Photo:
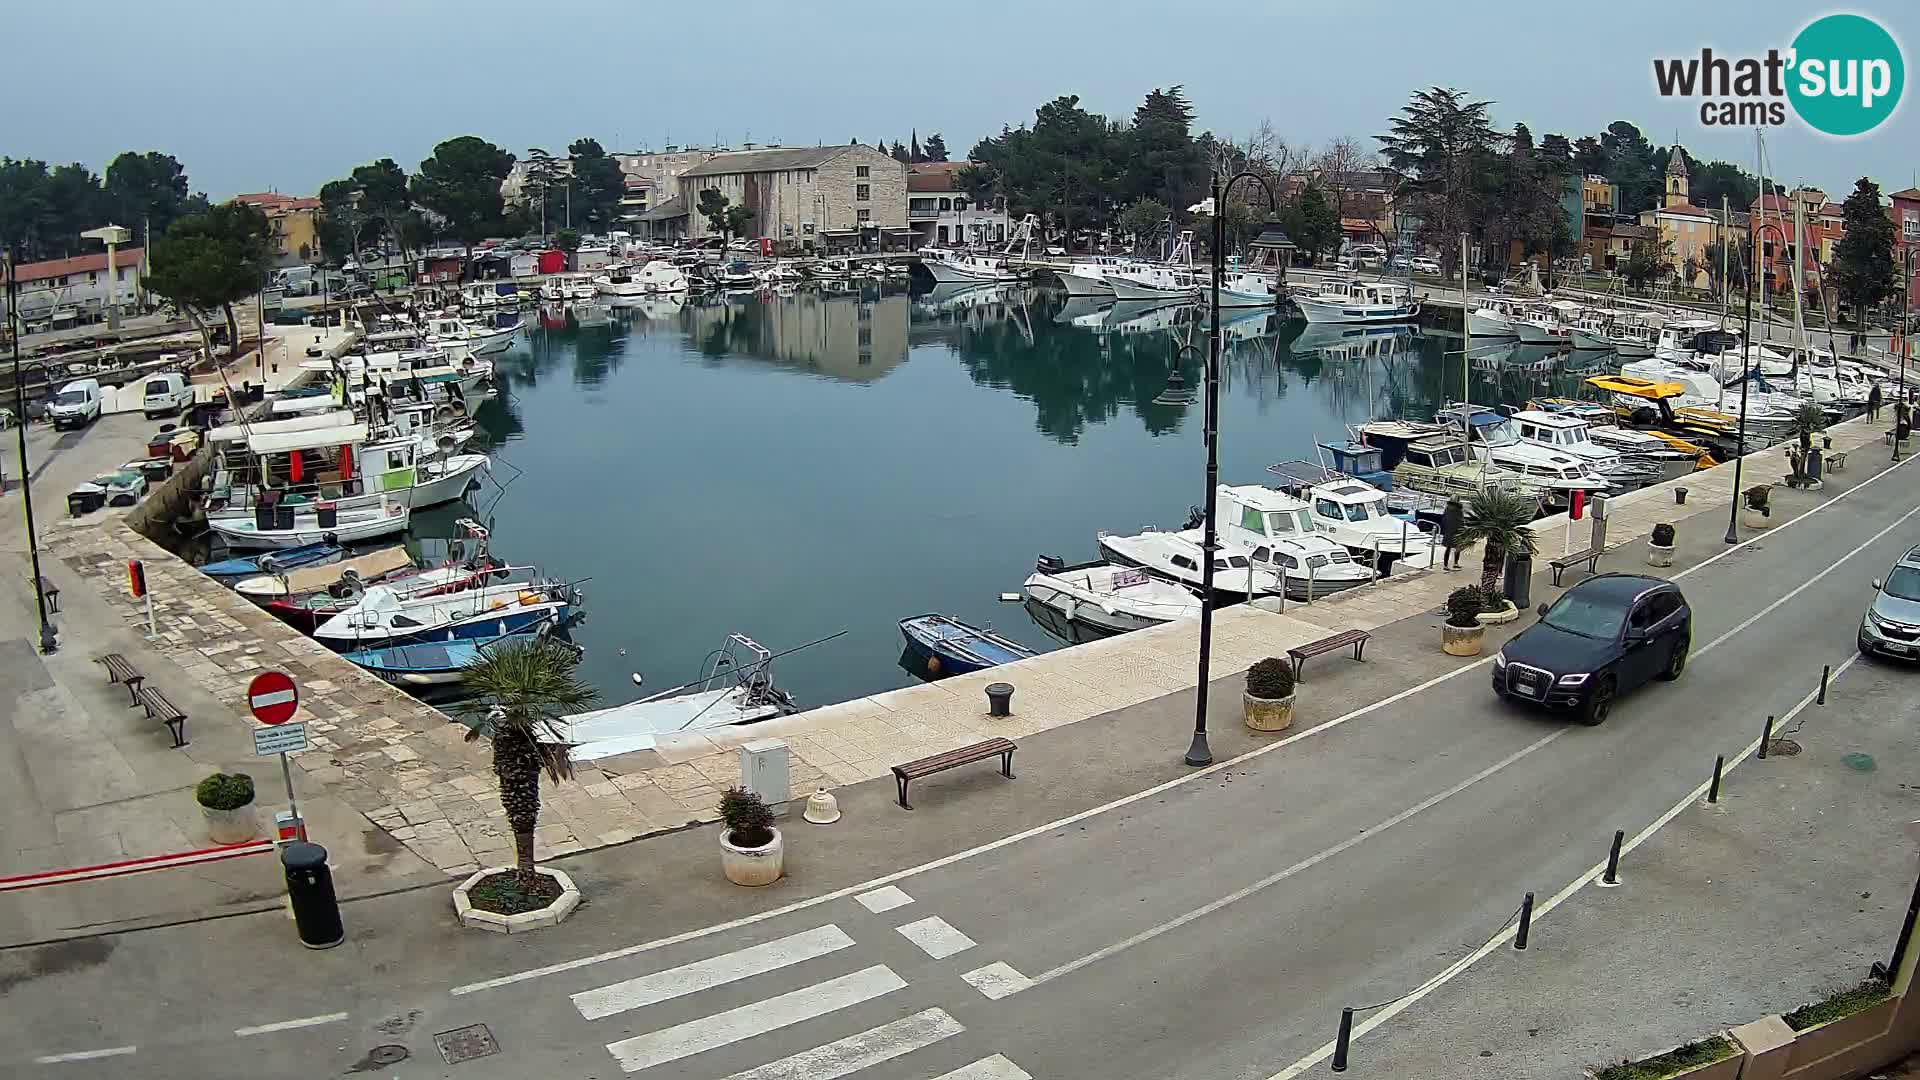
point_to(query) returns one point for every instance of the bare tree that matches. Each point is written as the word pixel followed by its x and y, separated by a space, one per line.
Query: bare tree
pixel 1342 170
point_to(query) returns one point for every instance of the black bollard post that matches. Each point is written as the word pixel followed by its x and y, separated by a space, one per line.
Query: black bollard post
pixel 1713 792
pixel 1340 1041
pixel 1766 737
pixel 1526 922
pixel 316 913
pixel 1613 859
pixel 1826 672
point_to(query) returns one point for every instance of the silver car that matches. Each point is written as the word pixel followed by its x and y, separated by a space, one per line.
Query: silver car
pixel 1891 626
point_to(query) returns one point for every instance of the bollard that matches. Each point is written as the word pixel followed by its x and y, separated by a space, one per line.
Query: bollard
pixel 1713 790
pixel 1612 876
pixel 1340 1041
pixel 999 699
pixel 1766 737
pixel 316 912
pixel 1679 496
pixel 1526 921
pixel 1826 672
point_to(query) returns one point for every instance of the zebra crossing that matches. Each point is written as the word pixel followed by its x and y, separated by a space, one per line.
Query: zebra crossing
pixel 809 953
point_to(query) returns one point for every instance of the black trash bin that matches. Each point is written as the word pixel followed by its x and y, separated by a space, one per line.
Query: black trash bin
pixel 316 913
pixel 1519 581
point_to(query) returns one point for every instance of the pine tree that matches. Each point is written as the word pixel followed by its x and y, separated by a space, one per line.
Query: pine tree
pixel 914 155
pixel 1863 271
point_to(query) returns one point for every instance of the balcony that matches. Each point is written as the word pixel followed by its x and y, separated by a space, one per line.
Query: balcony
pixel 915 214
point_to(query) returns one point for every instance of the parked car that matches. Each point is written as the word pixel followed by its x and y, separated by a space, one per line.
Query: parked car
pixel 166 393
pixel 1602 638
pixel 1891 625
pixel 76 405
pixel 1423 265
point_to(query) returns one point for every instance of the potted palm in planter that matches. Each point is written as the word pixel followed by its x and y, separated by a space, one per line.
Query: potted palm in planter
pixel 751 852
pixel 1660 545
pixel 1461 634
pixel 226 801
pixel 1496 608
pixel 1755 510
pixel 1269 695
pixel 519 691
pixel 1498 520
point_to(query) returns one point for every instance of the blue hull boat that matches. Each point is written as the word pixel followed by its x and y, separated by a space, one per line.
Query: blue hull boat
pixel 946 646
pixel 281 561
pixel 438 663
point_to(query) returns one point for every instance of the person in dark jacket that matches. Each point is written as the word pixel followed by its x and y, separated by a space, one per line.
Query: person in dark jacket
pixel 1450 519
pixel 1873 402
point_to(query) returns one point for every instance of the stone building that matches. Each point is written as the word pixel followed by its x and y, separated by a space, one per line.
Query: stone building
pixel 813 197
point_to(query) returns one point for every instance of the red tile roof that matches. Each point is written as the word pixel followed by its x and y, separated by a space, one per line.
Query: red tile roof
pixel 1683 210
pixel 79 264
pixel 1912 193
pixel 935 175
pixel 275 203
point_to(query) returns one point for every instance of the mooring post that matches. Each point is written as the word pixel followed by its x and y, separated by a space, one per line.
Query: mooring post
pixel 1713 791
pixel 1526 922
pixel 1613 859
pixel 1340 1041
pixel 1766 736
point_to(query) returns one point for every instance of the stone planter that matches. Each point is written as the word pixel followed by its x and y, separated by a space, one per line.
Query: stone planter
pixel 1461 640
pixel 752 866
pixel 1268 714
pixel 1755 519
pixel 551 915
pixel 1658 555
pixel 236 826
pixel 1496 618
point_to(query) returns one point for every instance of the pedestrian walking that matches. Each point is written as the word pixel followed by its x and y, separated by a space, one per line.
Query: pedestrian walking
pixel 1873 403
pixel 1450 520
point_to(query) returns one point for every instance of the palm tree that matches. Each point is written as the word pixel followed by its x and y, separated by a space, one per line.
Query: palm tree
pixel 1499 519
pixel 519 690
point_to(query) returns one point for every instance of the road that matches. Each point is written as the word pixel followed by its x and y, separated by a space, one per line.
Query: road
pixel 1211 927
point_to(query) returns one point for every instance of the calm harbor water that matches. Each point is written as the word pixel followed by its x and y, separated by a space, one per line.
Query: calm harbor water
pixel 788 467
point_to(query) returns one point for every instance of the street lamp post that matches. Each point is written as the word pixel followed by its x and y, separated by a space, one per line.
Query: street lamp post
pixel 1199 753
pixel 1900 397
pixel 49 640
pixel 1746 373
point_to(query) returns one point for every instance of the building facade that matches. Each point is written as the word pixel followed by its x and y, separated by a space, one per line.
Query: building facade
pixel 68 292
pixel 1905 212
pixel 826 196
pixel 290 222
pixel 941 213
pixel 662 169
pixel 1777 247
pixel 1685 231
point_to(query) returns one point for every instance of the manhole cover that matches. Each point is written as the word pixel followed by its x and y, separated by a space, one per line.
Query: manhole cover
pixel 1783 748
pixel 387 1055
pixel 465 1044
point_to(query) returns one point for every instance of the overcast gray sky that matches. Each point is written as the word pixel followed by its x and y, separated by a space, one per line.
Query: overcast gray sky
pixel 264 95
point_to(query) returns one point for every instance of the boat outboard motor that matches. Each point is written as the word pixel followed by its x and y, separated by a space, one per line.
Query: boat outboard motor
pixel 1050 564
pixel 1195 518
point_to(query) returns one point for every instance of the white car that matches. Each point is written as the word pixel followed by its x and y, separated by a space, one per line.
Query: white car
pixel 1423 265
pixel 165 393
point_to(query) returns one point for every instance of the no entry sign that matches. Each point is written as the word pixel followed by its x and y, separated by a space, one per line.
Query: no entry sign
pixel 272 697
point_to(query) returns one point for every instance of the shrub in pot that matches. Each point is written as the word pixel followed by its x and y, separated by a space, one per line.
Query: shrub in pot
pixel 751 852
pixel 1756 507
pixel 1268 701
pixel 226 801
pixel 1660 546
pixel 1461 634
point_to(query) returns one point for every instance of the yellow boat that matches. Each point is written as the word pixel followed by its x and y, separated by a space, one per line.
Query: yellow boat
pixel 1676 425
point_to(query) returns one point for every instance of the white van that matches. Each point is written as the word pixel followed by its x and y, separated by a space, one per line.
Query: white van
pixel 166 392
pixel 76 405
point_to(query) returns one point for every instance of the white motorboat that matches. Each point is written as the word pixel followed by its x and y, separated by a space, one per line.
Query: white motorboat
pixel 287 527
pixel 1767 412
pixel 487 295
pixel 1143 281
pixel 1177 556
pixel 1359 302
pixel 1637 445
pixel 1249 288
pixel 1094 600
pixel 296 463
pixel 961 267
pixel 700 706
pixel 1278 533
pixel 841 268
pixel 453 332
pixel 384 617
pixel 1494 438
pixel 619 283
pixel 1546 324
pixel 1356 514
pixel 1493 316
pixel 1088 277
pixel 1568 435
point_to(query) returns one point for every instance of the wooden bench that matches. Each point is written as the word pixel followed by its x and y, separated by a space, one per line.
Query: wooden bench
pixel 119 671
pixel 1561 565
pixel 1836 460
pixel 1356 638
pixel 927 766
pixel 159 708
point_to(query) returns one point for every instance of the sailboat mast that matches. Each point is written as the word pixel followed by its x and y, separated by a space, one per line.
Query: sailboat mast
pixel 1466 329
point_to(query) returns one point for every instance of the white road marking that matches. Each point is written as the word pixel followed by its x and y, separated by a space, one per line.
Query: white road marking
pixel 936 937
pixel 1304 864
pixel 996 981
pixel 1179 781
pixel 885 899
pixel 855 1052
pixel 1593 873
pixel 287 1025
pixel 85 1055
pixel 715 971
pixel 996 1067
pixel 720 1029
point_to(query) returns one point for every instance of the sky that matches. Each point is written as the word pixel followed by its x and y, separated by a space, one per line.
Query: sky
pixel 254 96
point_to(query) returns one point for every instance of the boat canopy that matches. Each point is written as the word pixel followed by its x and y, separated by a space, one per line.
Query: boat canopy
pixel 280 442
pixel 1636 387
pixel 334 417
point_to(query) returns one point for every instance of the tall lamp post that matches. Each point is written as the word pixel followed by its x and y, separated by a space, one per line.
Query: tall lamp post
pixel 49 640
pixel 1199 753
pixel 1746 373
pixel 1900 396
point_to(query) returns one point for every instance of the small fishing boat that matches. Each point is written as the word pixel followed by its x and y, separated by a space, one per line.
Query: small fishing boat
pixel 385 617
pixel 279 527
pixel 946 646
pixel 1093 600
pixel 274 582
pixel 434 663
pixel 306 611
pixel 737 688
pixel 1177 556
pixel 229 571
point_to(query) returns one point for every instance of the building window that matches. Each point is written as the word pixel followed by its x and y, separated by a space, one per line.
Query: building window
pixel 864 216
pixel 93 277
pixel 862 192
pixel 946 204
pixel 960 205
pixel 806 228
pixel 863 170
pixel 1910 225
